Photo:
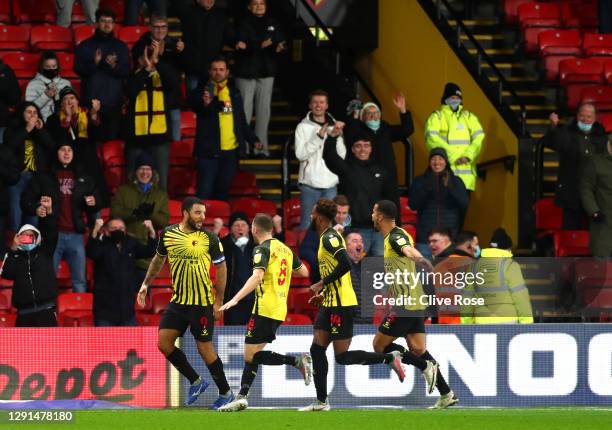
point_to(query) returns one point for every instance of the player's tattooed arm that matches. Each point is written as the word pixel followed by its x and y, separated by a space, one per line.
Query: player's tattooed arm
pixel 154 268
pixel 219 289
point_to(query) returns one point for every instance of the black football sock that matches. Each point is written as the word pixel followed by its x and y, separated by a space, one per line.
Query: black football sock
pixel 218 375
pixel 179 361
pixel 407 356
pixel 441 384
pixel 270 358
pixel 248 376
pixel 362 357
pixel 319 363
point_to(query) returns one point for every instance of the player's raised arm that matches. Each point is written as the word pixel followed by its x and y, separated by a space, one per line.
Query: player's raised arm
pixel 249 286
pixel 417 257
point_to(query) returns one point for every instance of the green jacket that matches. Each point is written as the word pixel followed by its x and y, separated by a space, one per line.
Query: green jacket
pixel 461 135
pixel 128 197
pixel 596 195
pixel 505 294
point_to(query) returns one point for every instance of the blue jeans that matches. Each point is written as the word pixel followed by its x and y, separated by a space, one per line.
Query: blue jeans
pixel 424 249
pixel 71 248
pixel 99 322
pixel 309 197
pixel 15 213
pixel 175 124
pixel 215 175
pixel 373 241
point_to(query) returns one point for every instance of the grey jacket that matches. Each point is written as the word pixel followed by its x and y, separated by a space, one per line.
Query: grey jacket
pixel 35 92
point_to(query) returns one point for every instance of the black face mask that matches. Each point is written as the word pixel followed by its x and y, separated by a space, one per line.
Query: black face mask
pixel 117 236
pixel 49 73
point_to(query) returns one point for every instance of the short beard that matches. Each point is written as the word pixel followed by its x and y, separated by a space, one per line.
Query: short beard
pixel 192 225
pixel 313 225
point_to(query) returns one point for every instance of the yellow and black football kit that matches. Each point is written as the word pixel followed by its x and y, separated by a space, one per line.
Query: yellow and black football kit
pixel 393 325
pixel 339 300
pixel 190 256
pixel 270 307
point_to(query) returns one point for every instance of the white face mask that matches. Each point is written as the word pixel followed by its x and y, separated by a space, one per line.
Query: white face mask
pixel 241 241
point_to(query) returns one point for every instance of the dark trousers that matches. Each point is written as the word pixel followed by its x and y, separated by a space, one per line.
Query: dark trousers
pixel 605 16
pixel 215 175
pixel 110 119
pixel 132 9
pixel 46 318
pixel 574 219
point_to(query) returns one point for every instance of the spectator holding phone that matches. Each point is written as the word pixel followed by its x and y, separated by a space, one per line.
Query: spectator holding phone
pixel 44 89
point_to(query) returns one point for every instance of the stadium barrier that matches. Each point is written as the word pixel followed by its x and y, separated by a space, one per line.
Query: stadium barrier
pixel 497 365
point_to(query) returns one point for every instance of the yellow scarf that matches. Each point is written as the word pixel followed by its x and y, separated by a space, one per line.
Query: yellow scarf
pixel 82 123
pixel 226 118
pixel 151 119
pixel 28 159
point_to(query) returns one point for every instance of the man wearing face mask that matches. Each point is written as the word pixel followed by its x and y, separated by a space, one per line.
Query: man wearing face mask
pixel 238 249
pixel 117 278
pixel 457 131
pixel 575 143
pixel 29 263
pixel 45 88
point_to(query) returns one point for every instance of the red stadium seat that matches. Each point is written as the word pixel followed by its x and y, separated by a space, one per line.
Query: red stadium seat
pixel 82 32
pixel 105 214
pixel 51 37
pixel 548 217
pixel 36 11
pixel 252 206
pixel 571 243
pixel 188 124
pixel 597 44
pixel 407 215
pixel 298 281
pixel 176 214
pixel 117 6
pixel 292 212
pixel 159 301
pixel 112 149
pixel 605 119
pixel 581 15
pixel 131 33
pixel 66 61
pixel 8 320
pixel 23 64
pixel 535 17
pixel 147 319
pixel 297 319
pixel 511 10
pixel 298 302
pixel 182 149
pixel 75 309
pixel 600 96
pixel 14 37
pixel 181 180
pixel 217 209
pixel 556 46
pixel 6 295
pixel 5 304
pixel 607 70
pixel 411 230
pixel 580 70
pixel 62 275
pixel 244 184
pixel 5 12
pixel 78 15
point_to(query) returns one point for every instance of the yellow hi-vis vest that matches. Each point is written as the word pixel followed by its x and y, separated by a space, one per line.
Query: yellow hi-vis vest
pixel 149 109
pixel 460 135
pixel 506 297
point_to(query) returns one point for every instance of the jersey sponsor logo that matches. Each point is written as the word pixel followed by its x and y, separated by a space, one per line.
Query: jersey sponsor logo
pixel 282 276
pixel 194 243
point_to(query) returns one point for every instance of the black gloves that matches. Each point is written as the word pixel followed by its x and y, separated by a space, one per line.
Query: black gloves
pixel 144 211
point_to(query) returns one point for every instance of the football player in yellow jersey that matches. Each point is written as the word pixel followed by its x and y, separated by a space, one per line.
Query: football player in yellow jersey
pixel 273 265
pixel 400 254
pixel 190 251
pixel 334 323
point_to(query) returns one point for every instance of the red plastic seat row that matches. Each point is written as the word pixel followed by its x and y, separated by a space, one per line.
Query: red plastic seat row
pixel 43 11
pixel 534 18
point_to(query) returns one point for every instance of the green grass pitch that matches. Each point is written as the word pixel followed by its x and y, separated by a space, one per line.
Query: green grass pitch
pixel 354 419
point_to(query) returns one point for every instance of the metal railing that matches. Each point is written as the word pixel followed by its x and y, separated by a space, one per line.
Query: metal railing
pixel 481 58
pixel 508 162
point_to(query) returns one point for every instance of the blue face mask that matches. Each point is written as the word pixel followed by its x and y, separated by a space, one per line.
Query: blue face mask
pixel 27 247
pixel 453 104
pixel 584 127
pixel 477 252
pixel 373 124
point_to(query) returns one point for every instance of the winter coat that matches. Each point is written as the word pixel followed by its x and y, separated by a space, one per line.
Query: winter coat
pixel 256 62
pixel 9 92
pixel 44 146
pixel 309 151
pixel 362 182
pixel 208 133
pixel 116 279
pixel 596 194
pixel 575 149
pixel 9 175
pixel 47 184
pixel 437 204
pixel 33 272
pixel 204 33
pixel 100 81
pixel 239 269
pixel 35 92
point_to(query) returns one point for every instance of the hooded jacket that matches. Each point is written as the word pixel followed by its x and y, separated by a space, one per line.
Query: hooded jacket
pixel 116 280
pixel 47 184
pixel 437 203
pixel 35 92
pixel 309 151
pixel 575 149
pixel 363 182
pixel 32 271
